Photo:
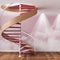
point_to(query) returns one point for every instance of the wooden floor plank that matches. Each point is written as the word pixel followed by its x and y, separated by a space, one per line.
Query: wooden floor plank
pixel 37 56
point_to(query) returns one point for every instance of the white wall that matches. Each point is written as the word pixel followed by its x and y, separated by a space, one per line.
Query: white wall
pixel 50 43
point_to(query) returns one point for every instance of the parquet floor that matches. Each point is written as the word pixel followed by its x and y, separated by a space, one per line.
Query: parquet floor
pixel 37 56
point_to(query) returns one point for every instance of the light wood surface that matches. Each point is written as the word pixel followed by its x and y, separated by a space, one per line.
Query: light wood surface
pixel 37 56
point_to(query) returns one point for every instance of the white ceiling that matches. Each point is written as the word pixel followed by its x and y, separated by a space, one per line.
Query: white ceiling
pixel 48 4
pixel 39 3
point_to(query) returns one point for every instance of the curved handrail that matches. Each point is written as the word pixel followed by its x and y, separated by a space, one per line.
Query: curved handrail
pixel 17 19
pixel 28 35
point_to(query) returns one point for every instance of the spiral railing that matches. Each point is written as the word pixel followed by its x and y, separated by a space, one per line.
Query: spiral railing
pixel 11 30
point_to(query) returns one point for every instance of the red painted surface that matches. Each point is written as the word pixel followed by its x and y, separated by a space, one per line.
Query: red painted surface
pixel 15 6
pixel 23 6
pixel 27 6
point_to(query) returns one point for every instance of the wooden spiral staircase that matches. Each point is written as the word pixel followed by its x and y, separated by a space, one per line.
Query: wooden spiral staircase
pixel 12 29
